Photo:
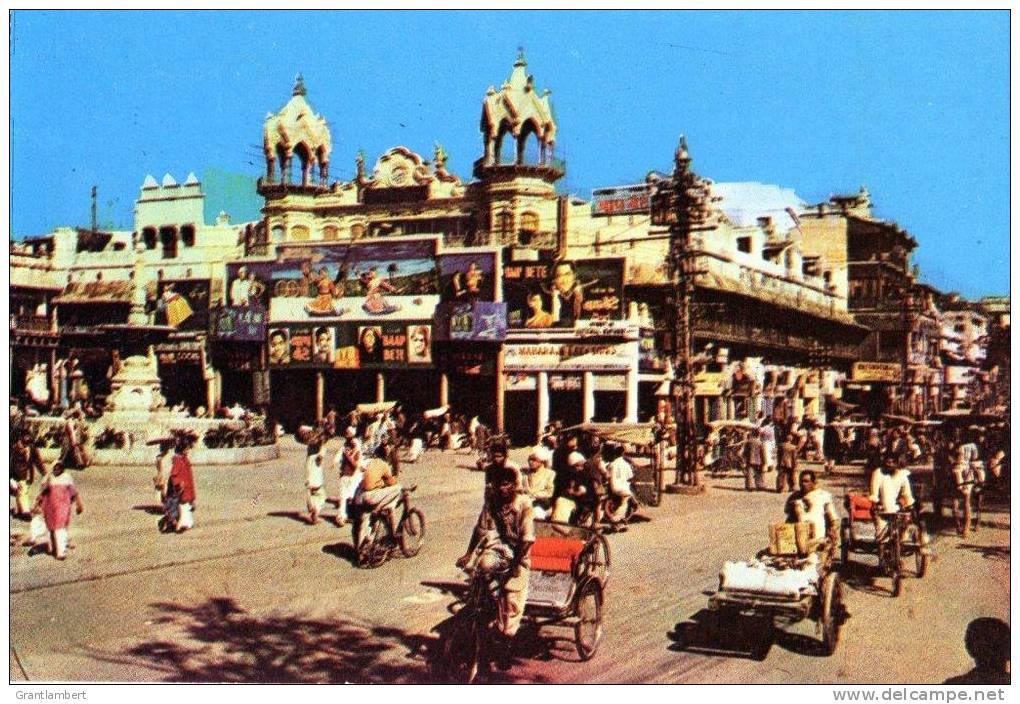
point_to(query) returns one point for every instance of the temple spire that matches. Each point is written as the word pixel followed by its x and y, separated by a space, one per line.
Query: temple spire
pixel 299 85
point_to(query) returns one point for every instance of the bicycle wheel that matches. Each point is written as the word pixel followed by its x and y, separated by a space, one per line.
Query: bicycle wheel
pixel 832 612
pixel 461 650
pixel 896 566
pixel 412 533
pixel 375 549
pixel 599 559
pixel 588 629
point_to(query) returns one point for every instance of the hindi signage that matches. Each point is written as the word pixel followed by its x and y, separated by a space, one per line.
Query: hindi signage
pixel 569 356
pixel 240 323
pixel 876 371
pixel 622 200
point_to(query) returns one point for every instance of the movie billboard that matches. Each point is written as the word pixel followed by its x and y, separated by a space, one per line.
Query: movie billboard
pixel 557 294
pixel 368 281
pixel 359 345
pixel 183 303
pixel 467 278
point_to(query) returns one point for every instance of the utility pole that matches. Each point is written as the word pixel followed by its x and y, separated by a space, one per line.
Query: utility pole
pixel 95 219
pixel 684 206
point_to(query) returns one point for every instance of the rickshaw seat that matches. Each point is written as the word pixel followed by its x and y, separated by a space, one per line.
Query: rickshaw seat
pixel 554 554
pixel 859 507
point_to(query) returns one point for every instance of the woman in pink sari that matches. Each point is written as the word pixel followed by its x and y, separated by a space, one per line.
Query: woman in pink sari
pixel 54 502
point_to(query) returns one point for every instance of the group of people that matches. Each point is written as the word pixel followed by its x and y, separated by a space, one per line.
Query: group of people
pixel 174 483
pixel 49 514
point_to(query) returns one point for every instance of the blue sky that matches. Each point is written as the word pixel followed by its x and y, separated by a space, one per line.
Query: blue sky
pixel 914 105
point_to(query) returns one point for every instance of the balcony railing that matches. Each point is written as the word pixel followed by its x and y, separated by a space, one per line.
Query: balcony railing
pixel 32 323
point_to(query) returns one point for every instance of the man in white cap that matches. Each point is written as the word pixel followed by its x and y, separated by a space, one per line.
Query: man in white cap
pixel 347 462
pixel 574 488
pixel 539 480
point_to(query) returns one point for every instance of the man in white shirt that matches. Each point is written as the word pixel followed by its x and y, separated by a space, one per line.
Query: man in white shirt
pixel 815 506
pixel 240 288
pixel 620 475
pixel 890 491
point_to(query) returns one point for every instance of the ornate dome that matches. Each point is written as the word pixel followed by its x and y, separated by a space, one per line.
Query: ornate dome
pixel 517 108
pixel 297 130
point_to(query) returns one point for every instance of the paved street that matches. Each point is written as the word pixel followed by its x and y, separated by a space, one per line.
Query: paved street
pixel 253 594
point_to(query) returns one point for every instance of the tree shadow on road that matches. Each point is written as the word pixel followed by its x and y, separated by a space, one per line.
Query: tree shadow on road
pixel 221 642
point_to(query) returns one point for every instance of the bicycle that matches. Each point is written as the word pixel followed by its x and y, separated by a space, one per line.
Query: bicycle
pixel 381 543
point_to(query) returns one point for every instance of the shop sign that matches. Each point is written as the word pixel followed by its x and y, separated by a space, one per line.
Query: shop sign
pixel 559 293
pixel 472 362
pixel 876 371
pixel 483 321
pixel 183 303
pixel 622 200
pixel 260 388
pixel 180 353
pixel 610 382
pixel 607 328
pixel 565 382
pixel 709 384
pixel 521 382
pixel 570 356
pixel 352 346
pixel 958 375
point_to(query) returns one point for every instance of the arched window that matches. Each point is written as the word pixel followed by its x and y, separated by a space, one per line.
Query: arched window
pixel 277 234
pixel 529 226
pixel 330 233
pixel 188 235
pixel 299 233
pixel 168 239
pixel 506 145
pixel 504 223
pixel 149 237
pixel 357 231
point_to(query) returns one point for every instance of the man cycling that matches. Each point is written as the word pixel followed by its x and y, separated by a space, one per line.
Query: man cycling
pixel 500 546
pixel 890 492
pixel 378 488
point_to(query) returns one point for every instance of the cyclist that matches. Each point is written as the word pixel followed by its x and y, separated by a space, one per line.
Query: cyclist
pixel 500 546
pixel 890 492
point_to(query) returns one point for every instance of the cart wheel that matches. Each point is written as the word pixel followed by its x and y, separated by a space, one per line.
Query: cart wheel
pixel 599 559
pixel 832 612
pixel 588 629
pixel 844 541
pixel 412 533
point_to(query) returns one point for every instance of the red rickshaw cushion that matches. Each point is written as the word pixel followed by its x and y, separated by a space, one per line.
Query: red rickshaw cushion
pixel 552 554
pixel 860 507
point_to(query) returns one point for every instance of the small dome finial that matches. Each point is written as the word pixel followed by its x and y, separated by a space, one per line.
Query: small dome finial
pixel 520 57
pixel 299 85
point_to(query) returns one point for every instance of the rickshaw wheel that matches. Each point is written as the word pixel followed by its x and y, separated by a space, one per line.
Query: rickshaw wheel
pixel 844 541
pixel 920 552
pixel 588 629
pixel 599 559
pixel 831 614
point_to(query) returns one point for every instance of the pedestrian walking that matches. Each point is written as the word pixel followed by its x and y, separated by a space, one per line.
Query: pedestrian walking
pixel 787 475
pixel 754 462
pixel 315 478
pixel 182 481
pixel 54 503
pixel 26 465
pixel 347 463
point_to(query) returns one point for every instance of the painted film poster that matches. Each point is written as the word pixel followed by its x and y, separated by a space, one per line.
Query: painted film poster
pixel 352 346
pixel 467 278
pixel 556 294
pixel 183 304
pixel 362 281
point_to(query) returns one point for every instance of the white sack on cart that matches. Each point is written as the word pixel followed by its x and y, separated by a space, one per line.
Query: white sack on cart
pixel 759 578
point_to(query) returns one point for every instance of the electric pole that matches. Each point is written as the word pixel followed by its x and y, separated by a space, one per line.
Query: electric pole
pixel 95 220
pixel 684 207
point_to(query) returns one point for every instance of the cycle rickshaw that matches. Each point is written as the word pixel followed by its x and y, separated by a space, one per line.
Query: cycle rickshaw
pixel 906 538
pixel 782 590
pixel 643 448
pixel 566 588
